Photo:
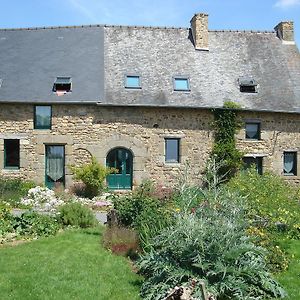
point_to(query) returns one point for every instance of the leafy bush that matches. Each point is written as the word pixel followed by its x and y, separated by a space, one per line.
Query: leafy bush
pixel 93 176
pixel 140 210
pixel 76 214
pixel 12 190
pixel 209 245
pixel 5 220
pixel 35 224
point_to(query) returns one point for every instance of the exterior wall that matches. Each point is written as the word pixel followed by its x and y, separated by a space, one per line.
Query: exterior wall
pixel 94 130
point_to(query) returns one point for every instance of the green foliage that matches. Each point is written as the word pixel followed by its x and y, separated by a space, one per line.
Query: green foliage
pixel 209 245
pixel 93 176
pixel 12 190
pixel 224 150
pixel 76 214
pixel 273 203
pixel 34 224
pixel 5 220
pixel 273 211
pixel 144 212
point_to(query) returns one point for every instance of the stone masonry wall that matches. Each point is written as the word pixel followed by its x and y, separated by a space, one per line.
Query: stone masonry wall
pixel 94 130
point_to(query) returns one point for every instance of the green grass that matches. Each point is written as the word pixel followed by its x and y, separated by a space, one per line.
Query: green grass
pixel 72 265
pixel 290 279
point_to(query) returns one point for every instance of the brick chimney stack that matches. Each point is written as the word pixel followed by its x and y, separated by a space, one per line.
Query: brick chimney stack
pixel 285 31
pixel 199 26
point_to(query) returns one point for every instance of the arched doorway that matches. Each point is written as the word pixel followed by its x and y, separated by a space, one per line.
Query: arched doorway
pixel 122 161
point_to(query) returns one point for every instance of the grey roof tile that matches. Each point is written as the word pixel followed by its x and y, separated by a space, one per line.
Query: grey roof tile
pixel 31 60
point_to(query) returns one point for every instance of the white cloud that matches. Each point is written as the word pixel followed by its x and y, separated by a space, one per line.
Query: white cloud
pixel 287 3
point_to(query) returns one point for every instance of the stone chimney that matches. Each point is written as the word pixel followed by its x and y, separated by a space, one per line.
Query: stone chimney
pixel 285 31
pixel 199 26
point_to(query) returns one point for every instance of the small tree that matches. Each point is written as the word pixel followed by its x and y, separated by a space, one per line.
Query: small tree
pixel 92 175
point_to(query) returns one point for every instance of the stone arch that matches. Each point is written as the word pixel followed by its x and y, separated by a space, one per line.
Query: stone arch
pixel 138 149
pixel 82 156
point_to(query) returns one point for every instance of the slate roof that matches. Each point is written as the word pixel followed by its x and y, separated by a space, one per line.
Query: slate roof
pixel 31 59
pixel 98 58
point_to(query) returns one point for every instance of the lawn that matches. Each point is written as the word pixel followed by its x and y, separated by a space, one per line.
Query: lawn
pixel 72 265
pixel 290 279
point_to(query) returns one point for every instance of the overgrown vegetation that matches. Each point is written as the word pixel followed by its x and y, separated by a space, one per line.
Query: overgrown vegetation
pixel 224 151
pixel 273 211
pixel 144 211
pixel 12 190
pixel 92 176
pixel 208 243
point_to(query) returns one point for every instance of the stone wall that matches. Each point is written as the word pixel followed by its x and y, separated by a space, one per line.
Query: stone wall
pixel 95 130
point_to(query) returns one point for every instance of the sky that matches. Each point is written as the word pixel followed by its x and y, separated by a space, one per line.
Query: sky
pixel 223 14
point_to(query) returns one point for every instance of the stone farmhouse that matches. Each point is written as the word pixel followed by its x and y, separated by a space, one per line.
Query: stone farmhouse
pixel 139 99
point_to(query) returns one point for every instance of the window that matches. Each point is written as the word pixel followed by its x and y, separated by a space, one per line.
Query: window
pixel 62 85
pixel 252 130
pixel 290 163
pixel 256 161
pixel 42 117
pixel 132 82
pixel 172 150
pixel 181 84
pixel 248 85
pixel 11 154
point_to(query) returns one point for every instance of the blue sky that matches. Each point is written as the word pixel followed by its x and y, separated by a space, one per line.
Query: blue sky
pixel 223 14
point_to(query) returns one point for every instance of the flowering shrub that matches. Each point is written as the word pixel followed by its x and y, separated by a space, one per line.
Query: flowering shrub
pixel 42 199
pixel 93 176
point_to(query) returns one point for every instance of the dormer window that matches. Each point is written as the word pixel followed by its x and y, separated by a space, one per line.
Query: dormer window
pixel 62 85
pixel 181 83
pixel 133 82
pixel 248 85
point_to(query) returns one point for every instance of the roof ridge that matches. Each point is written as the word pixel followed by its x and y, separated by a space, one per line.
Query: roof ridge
pixel 128 26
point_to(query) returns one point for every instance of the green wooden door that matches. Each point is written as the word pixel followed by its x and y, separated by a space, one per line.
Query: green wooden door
pixel 55 166
pixel 121 160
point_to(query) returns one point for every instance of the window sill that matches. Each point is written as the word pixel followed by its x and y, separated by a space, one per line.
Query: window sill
pixel 133 87
pixel 11 169
pixel 289 176
pixel 253 140
pixel 172 164
pixel 180 91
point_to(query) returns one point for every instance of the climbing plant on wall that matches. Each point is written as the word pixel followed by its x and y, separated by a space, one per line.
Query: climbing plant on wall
pixel 226 124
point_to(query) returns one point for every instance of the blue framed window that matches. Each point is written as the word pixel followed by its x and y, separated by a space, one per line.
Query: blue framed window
pixel 133 82
pixel 181 84
pixel 172 150
pixel 12 154
pixel 42 116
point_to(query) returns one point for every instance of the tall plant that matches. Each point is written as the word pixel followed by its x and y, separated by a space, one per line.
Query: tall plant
pixel 226 124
